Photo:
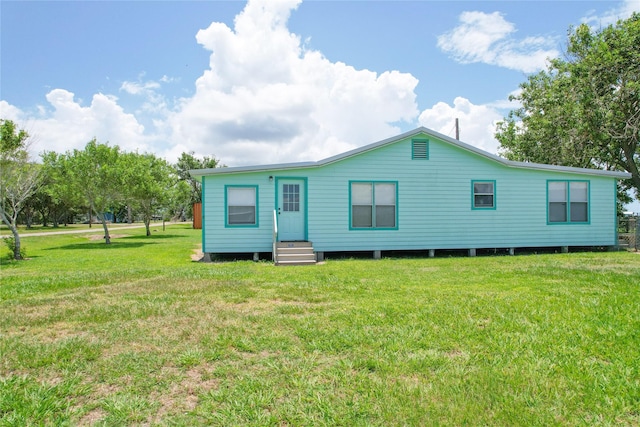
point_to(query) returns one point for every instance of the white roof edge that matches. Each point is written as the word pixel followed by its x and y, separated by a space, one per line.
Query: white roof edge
pixel 198 173
pixel 251 168
pixel 568 169
pixel 526 165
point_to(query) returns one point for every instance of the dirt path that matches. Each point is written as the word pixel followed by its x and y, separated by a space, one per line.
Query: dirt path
pixel 96 228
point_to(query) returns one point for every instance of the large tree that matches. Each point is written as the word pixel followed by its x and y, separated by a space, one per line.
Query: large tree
pixel 19 177
pixel 147 181
pixel 95 174
pixel 65 198
pixel 584 109
pixel 189 161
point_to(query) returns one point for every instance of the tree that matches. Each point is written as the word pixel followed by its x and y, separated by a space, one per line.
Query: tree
pixel 179 198
pixel 187 162
pixel 65 198
pixel 94 174
pixel 146 181
pixel 584 109
pixel 40 206
pixel 19 178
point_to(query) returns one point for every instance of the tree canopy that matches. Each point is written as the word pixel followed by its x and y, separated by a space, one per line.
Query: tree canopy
pixel 100 179
pixel 189 161
pixel 147 183
pixel 19 177
pixel 584 109
pixel 94 174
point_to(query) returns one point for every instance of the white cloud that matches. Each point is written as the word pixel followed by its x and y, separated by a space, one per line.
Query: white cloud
pixel 622 11
pixel 488 38
pixel 154 101
pixel 10 112
pixel 66 125
pixel 267 99
pixel 477 122
pixel 138 88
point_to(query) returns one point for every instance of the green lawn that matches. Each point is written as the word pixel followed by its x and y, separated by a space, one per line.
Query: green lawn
pixel 95 227
pixel 136 333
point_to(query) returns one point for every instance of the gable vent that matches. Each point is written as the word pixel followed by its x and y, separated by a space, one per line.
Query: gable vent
pixel 420 150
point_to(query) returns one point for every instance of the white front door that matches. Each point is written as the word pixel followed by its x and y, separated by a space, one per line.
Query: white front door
pixel 291 210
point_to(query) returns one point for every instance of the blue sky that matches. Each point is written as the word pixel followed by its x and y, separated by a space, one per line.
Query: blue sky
pixel 273 81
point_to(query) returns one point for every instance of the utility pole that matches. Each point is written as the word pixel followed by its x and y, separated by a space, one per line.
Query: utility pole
pixel 457 129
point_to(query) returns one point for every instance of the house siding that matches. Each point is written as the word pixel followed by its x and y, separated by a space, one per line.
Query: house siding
pixel 433 204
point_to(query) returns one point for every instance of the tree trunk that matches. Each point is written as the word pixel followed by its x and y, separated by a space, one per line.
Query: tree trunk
pixel 11 223
pixel 107 238
pixel 45 217
pixel 28 216
pixel 16 237
pixel 129 214
pixel 147 222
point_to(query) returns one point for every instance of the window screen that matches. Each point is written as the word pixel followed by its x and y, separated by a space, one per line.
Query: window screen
pixel 568 201
pixel 483 195
pixel 241 205
pixel 373 205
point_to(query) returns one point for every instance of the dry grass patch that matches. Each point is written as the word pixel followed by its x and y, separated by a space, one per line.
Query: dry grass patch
pixel 139 334
pixel 92 417
pixel 183 394
pixel 197 254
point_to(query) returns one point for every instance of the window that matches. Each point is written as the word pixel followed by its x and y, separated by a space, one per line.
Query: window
pixel 579 205
pixel 241 205
pixel 420 149
pixel 484 194
pixel 568 201
pixel 291 197
pixel 373 205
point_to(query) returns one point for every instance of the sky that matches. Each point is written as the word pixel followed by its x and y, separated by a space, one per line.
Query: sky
pixel 273 81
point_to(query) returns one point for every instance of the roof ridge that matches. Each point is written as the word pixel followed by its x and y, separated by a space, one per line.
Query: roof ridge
pixel 196 173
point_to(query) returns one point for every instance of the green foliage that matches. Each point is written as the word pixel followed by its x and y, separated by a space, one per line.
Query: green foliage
pixel 584 110
pixel 146 181
pixel 65 199
pixel 96 334
pixel 12 139
pixel 94 174
pixel 107 179
pixel 187 162
pixel 10 243
pixel 19 177
pixel 179 200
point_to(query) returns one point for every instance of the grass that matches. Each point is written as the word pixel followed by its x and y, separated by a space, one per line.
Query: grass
pixel 95 228
pixel 136 333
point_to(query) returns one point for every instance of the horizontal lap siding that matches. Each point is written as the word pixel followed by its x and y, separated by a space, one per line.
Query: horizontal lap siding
pixel 435 204
pixel 221 239
pixel 434 199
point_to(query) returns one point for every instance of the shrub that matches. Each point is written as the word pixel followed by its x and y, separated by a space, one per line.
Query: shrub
pixel 11 245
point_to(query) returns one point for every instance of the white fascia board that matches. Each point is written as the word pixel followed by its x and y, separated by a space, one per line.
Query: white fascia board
pixel 568 169
pixel 199 173
pixel 527 165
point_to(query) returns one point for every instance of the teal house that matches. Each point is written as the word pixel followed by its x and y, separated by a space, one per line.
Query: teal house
pixel 420 190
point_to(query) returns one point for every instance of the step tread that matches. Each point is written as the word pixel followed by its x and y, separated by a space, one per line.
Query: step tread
pixel 295 262
pixel 295 253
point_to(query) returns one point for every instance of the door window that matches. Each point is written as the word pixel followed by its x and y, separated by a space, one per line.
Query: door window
pixel 291 197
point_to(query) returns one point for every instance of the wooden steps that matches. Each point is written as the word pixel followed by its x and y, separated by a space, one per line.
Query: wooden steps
pixel 295 253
